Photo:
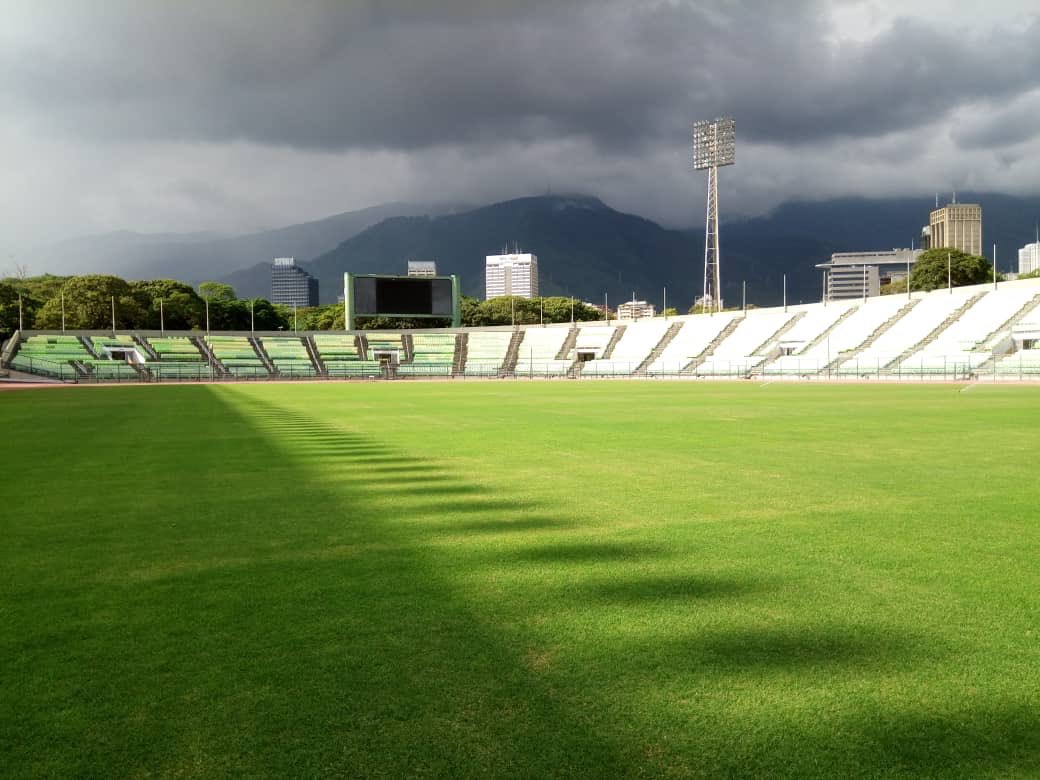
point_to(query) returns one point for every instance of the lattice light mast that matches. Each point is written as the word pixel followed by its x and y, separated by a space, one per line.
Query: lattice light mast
pixel 714 145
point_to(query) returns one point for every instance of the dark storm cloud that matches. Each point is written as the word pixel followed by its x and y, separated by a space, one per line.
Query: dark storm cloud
pixel 418 75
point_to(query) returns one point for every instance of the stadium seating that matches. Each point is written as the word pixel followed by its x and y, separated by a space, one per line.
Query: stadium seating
pixel 593 338
pixel 341 357
pixel 736 354
pixel 634 346
pixel 433 354
pixel 384 342
pixel 847 335
pixel 538 351
pixel 179 359
pixel 288 355
pixel 962 346
pixel 486 351
pixel 815 323
pixel 695 336
pixel 237 355
pixel 927 314
pixel 51 356
pixel 122 341
pixel 110 370
pixel 1024 363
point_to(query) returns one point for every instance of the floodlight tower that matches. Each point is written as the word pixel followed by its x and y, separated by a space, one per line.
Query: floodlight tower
pixel 714 145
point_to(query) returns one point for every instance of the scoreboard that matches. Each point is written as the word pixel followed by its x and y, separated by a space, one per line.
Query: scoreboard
pixel 414 297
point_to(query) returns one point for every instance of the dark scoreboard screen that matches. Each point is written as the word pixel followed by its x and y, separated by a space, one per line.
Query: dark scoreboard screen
pixel 374 295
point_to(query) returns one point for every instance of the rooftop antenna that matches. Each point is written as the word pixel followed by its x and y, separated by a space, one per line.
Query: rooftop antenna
pixel 937 200
pixel 955 197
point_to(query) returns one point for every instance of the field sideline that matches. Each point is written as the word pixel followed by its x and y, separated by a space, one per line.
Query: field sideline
pixel 523 579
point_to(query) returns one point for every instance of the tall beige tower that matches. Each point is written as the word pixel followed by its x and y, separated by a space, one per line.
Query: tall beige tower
pixel 957 226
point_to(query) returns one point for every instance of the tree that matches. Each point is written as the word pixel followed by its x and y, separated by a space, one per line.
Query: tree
pixel 217 291
pixel 930 270
pixel 182 308
pixel 670 312
pixel 268 316
pixel 9 310
pixel 88 305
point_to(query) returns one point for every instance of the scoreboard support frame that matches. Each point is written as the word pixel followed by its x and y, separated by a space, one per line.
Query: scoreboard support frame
pixel 350 314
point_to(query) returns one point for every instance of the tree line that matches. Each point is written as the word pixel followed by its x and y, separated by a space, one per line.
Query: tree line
pixel 87 303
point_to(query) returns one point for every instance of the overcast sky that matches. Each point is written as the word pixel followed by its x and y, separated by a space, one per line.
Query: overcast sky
pixel 153 115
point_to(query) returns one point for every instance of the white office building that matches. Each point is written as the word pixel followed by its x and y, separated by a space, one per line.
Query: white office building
pixel 422 268
pixel 1029 258
pixel 636 310
pixel 515 274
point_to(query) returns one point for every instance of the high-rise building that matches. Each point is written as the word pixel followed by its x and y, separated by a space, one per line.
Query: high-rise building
pixel 511 275
pixel 956 226
pixel 422 268
pixel 1029 258
pixel 291 285
pixel 861 274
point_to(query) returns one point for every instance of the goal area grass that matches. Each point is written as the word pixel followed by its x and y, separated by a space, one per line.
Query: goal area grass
pixel 520 579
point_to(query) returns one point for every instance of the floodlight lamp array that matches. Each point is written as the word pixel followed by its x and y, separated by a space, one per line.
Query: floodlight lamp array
pixel 714 143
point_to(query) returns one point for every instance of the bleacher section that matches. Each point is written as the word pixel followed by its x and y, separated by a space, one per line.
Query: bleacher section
pixel 538 351
pixel 848 335
pixel 486 351
pixel 1024 363
pixel 634 346
pixel 385 342
pixel 735 356
pixel 288 355
pixel 811 327
pixel 433 354
pixel 179 358
pixel 341 356
pixel 906 332
pixel 237 355
pixel 51 356
pixel 695 336
pixel 594 339
pixel 962 346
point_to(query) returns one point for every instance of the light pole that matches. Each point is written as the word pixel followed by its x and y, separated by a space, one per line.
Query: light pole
pixel 20 325
pixel 207 316
pixel 664 303
pixel 743 297
pixel 572 310
pixel 294 318
pixel 909 257
pixel 252 320
pixel 541 318
pixel 63 310
pixel 714 144
pixel 949 273
pixel 162 321
pixel 785 293
pixel 606 317
pixel 994 266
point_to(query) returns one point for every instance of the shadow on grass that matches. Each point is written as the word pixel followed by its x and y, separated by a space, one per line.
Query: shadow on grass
pixel 586 552
pixel 790 648
pixel 512 525
pixel 677 587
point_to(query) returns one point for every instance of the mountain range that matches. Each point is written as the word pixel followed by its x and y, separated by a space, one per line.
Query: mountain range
pixel 584 247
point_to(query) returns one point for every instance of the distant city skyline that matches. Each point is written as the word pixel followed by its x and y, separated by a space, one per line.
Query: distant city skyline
pixel 157 117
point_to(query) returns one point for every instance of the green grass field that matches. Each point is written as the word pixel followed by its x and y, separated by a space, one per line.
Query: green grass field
pixel 522 579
